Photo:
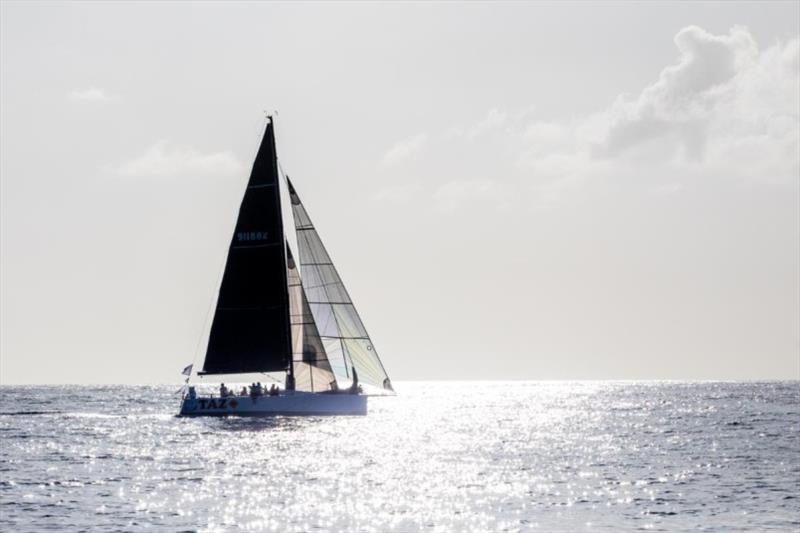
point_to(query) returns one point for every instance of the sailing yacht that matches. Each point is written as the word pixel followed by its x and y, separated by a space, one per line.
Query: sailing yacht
pixel 277 311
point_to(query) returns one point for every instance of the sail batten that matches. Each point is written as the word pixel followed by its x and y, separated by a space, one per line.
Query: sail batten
pixel 250 331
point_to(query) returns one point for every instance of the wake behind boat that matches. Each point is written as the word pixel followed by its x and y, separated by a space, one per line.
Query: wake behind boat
pixel 272 316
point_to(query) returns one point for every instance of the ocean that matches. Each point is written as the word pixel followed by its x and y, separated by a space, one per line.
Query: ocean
pixel 440 456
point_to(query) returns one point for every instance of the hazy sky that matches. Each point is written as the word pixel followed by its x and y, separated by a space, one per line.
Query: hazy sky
pixel 526 191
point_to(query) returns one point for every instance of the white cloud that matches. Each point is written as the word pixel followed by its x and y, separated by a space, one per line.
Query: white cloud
pixel 405 149
pixel 686 95
pixel 726 109
pixel 165 160
pixel 92 94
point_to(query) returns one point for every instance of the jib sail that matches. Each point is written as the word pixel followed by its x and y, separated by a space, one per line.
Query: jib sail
pixel 340 329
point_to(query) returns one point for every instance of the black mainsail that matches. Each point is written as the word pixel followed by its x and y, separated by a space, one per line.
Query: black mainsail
pixel 251 328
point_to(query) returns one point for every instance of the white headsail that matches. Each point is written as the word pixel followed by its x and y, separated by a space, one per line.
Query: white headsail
pixel 343 335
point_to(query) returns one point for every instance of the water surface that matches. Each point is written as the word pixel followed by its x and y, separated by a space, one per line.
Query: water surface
pixel 441 456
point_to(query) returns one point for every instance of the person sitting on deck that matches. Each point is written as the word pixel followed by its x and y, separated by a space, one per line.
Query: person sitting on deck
pixel 243 392
pixel 274 390
pixel 223 391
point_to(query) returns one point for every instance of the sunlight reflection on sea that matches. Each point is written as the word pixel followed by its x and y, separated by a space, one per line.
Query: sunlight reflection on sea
pixel 441 456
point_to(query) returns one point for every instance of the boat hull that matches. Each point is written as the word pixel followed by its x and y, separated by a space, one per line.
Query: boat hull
pixel 285 404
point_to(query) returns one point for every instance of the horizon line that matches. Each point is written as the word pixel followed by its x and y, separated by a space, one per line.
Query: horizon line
pixel 545 380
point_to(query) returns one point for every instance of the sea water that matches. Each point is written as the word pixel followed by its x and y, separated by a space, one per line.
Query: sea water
pixel 440 456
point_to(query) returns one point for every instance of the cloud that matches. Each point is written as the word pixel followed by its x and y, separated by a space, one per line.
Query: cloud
pixel 92 94
pixel 405 149
pixel 165 160
pixel 725 109
pixel 686 95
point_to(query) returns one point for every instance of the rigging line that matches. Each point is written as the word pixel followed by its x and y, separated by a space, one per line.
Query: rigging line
pixel 211 305
pixel 271 377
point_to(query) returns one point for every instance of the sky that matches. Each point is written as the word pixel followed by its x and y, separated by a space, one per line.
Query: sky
pixel 509 190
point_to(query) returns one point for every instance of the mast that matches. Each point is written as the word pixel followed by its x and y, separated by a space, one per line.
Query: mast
pixel 290 383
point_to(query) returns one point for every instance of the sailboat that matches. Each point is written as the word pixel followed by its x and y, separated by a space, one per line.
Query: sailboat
pixel 277 311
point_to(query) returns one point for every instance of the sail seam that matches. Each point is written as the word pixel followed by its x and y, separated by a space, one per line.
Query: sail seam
pixel 238 246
